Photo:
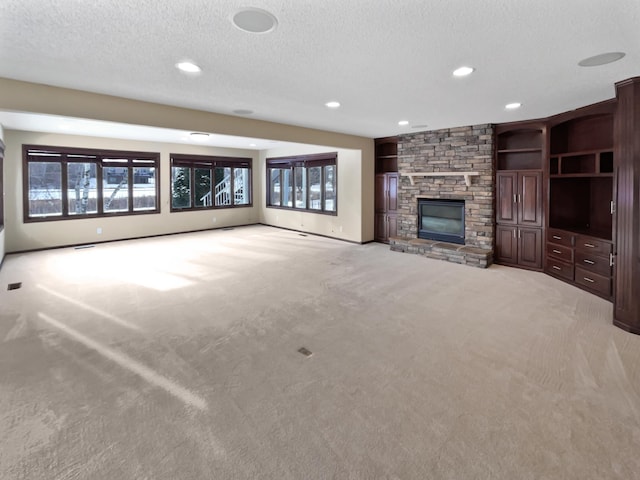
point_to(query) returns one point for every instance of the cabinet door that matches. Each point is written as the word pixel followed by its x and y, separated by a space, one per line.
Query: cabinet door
pixel 530 247
pixel 392 192
pixel 381 233
pixel 506 244
pixel 392 225
pixel 506 195
pixel 530 199
pixel 381 193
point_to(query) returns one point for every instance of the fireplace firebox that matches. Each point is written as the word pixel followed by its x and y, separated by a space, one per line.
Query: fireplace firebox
pixel 441 220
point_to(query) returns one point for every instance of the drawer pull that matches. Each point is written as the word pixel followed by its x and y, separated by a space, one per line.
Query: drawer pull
pixel 590 262
pixel 555 267
pixel 557 237
pixel 589 245
pixel 556 251
pixel 589 280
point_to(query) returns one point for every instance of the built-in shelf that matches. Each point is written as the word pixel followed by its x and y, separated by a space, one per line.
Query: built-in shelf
pixel 467 175
pixel 519 150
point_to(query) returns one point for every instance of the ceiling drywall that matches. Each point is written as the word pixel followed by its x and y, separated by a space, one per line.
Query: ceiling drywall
pixel 383 60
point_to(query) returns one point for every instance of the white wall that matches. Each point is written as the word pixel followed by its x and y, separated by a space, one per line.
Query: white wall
pixel 27 236
pixel 346 224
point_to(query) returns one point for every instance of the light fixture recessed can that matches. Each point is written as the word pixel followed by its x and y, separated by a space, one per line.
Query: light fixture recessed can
pixel 254 20
pixel 512 106
pixel 402 123
pixel 188 67
pixel 463 71
pixel 601 59
pixel 332 104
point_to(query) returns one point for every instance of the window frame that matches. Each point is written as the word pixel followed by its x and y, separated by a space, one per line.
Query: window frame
pixel 102 159
pixel 211 162
pixel 306 161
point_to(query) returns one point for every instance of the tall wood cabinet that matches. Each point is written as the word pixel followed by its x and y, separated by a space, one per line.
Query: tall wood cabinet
pixel 386 206
pixel 580 209
pixel 386 189
pixel 626 311
pixel 519 194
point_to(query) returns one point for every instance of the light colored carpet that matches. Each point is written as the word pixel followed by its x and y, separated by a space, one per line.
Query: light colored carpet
pixel 176 358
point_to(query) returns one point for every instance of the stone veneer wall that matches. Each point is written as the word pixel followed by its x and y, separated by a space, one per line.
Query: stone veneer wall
pixel 453 149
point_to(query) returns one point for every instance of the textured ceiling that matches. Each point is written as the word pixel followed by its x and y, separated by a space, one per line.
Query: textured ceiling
pixel 384 60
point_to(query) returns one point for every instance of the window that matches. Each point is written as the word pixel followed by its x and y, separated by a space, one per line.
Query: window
pixel 63 182
pixel 306 182
pixel 201 182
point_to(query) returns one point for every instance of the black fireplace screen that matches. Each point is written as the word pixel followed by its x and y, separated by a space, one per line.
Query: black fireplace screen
pixel 441 220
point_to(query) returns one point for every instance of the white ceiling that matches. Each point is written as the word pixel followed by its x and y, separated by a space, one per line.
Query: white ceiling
pixel 384 60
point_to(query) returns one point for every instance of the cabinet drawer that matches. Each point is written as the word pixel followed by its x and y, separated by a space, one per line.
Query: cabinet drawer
pixel 593 263
pixel 593 245
pixel 558 251
pixel 593 281
pixel 558 268
pixel 560 237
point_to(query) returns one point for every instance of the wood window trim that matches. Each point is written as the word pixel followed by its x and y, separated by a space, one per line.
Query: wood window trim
pixel 101 158
pixel 208 161
pixel 306 161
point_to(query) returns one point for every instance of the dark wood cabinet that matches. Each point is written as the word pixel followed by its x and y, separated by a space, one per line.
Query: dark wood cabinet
pixel 386 201
pixel 386 189
pixel 626 311
pixel 579 244
pixel 519 195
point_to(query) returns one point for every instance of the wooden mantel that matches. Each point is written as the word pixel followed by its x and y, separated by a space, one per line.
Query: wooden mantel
pixel 467 175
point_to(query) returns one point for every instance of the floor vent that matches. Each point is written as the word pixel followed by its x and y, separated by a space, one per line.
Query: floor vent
pixel 305 352
pixel 14 286
pixel 81 247
pixel 302 234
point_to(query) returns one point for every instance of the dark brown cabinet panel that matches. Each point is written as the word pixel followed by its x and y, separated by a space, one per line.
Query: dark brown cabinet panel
pixel 519 206
pixel 530 198
pixel 626 311
pixel 386 203
pixel 507 185
pixel 506 245
pixel 530 247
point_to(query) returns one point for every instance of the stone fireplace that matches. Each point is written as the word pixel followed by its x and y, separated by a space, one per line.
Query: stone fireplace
pixel 453 166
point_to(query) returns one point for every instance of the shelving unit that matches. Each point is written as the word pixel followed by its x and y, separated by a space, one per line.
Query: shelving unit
pixel 579 244
pixel 519 195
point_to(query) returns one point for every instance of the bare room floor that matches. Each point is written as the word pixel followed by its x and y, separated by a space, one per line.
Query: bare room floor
pixel 177 358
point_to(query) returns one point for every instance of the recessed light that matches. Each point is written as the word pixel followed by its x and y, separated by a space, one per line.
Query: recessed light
pixel 199 137
pixel 402 123
pixel 242 111
pixel 463 71
pixel 253 145
pixel 188 67
pixel 254 20
pixel 333 104
pixel 601 59
pixel 512 106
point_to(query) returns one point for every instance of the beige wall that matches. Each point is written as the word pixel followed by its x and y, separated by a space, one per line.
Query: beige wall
pixel 2 247
pixel 347 224
pixel 356 178
pixel 27 236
